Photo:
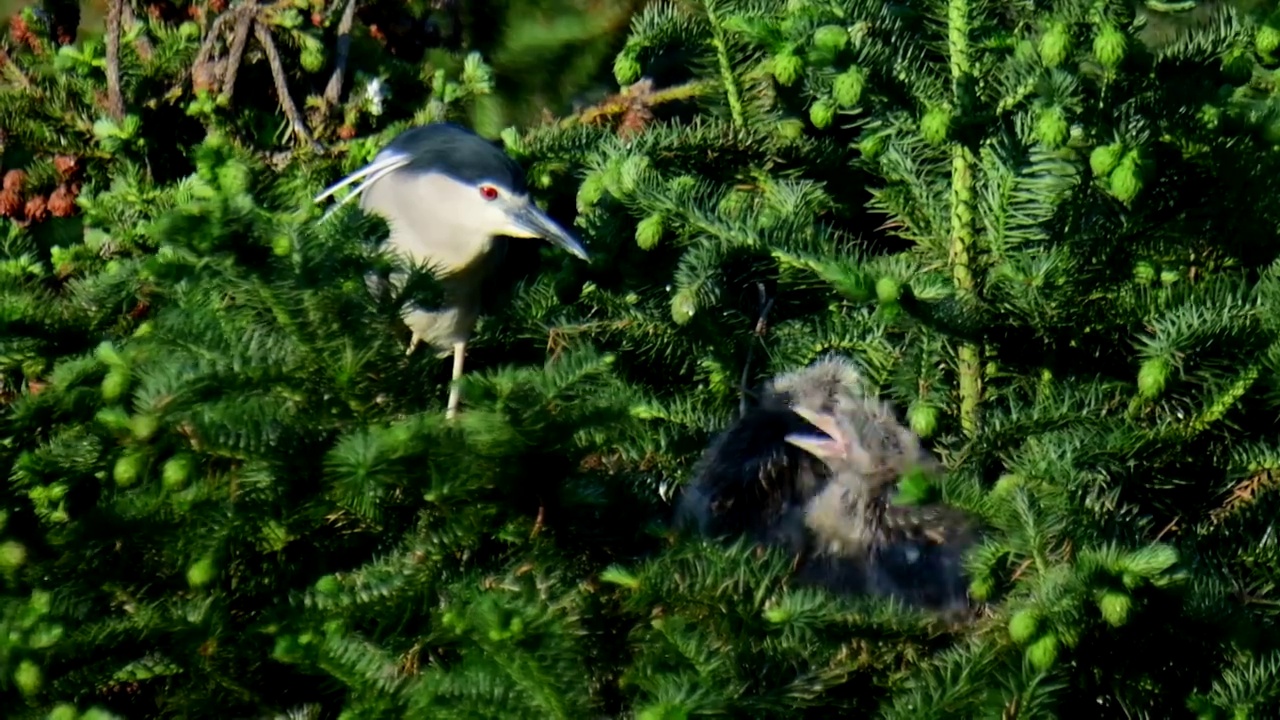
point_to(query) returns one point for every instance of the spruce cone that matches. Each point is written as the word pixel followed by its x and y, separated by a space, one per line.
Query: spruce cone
pixel 634 121
pixel 67 165
pixel 20 31
pixel 14 179
pixel 346 132
pixel 217 5
pixel 62 203
pixel 22 34
pixel 10 203
pixel 317 19
pixel 205 76
pixel 37 209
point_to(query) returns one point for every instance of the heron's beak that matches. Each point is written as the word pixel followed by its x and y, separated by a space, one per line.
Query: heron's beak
pixel 526 220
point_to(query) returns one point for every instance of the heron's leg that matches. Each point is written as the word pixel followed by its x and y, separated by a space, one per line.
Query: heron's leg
pixel 421 324
pixel 455 390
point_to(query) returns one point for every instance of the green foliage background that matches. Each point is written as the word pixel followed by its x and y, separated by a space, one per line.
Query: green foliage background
pixel 1047 231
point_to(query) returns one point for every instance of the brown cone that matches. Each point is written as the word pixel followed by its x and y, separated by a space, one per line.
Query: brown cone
pixel 10 203
pixel 37 209
pixel 66 165
pixel 14 179
pixel 62 203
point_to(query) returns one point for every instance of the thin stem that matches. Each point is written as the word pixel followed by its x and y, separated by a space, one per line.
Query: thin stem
pixel 762 326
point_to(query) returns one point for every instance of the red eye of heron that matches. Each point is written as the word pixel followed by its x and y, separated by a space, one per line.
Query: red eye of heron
pixel 488 192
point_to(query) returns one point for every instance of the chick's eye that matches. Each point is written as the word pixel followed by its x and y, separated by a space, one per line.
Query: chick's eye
pixel 488 192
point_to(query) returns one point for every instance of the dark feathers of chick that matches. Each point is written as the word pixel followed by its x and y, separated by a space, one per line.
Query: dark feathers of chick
pixel 920 555
pixel 750 481
pixel 848 535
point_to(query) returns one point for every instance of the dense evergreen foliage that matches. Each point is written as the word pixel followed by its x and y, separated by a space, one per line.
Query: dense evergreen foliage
pixel 1046 232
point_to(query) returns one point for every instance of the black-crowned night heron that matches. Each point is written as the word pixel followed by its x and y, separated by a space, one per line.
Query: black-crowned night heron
pixel 450 199
pixel 811 470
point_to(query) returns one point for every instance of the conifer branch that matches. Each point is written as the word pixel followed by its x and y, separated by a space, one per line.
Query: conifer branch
pixel 732 93
pixel 1221 404
pixel 962 213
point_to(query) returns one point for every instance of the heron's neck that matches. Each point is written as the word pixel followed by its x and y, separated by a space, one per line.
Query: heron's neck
pixel 451 248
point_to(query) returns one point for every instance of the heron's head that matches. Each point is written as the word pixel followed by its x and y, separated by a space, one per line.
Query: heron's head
pixel 445 175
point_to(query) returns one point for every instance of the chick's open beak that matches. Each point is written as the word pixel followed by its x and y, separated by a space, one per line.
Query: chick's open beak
pixel 823 421
pixel 524 219
pixel 828 446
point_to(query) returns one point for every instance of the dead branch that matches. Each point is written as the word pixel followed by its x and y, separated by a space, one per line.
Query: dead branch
pixel 211 38
pixel 637 98
pixel 143 44
pixel 282 86
pixel 199 67
pixel 239 38
pixel 333 91
pixel 115 99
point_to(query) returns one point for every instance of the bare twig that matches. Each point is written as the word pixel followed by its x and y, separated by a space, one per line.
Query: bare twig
pixel 1171 526
pixel 115 99
pixel 638 95
pixel 198 67
pixel 537 524
pixel 211 37
pixel 762 326
pixel 282 86
pixel 239 39
pixel 333 91
pixel 143 43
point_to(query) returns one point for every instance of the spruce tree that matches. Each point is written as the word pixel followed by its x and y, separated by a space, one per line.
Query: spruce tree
pixel 1067 294
pixel 1043 230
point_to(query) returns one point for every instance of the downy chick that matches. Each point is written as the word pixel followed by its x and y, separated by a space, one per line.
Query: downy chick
pixel 861 541
pixel 769 477
pixel 750 481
